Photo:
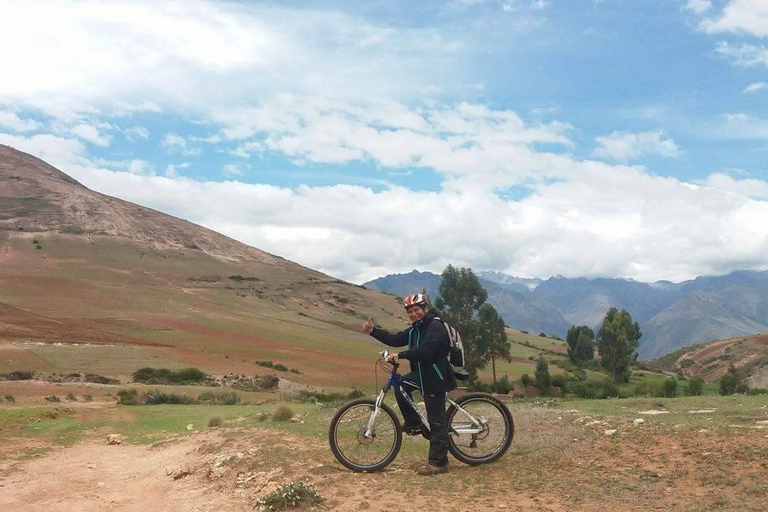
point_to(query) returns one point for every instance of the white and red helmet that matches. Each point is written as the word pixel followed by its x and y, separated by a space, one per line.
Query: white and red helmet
pixel 415 299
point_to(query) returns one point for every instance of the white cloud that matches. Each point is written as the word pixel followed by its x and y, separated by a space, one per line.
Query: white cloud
pixel 744 126
pixel 13 122
pixel 231 170
pixel 178 143
pixel 624 147
pixel 136 132
pixel 740 16
pixel 699 6
pixel 745 55
pixel 90 133
pixel 758 86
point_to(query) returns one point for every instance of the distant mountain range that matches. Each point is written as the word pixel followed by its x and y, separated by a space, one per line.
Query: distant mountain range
pixel 671 315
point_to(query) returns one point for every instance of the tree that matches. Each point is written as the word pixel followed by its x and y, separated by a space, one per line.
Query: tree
pixel 695 386
pixel 581 344
pixel 493 337
pixel 617 341
pixel 542 377
pixel 461 296
pixel 732 382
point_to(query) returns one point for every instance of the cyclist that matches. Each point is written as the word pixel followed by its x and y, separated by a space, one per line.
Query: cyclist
pixel 427 354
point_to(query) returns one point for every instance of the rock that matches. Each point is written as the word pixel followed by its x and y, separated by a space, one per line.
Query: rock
pixel 638 421
pixel 190 427
pixel 610 432
pixel 703 431
pixel 114 439
pixel 654 412
pixel 180 473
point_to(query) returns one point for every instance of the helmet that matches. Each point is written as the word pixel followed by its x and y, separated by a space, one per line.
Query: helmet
pixel 415 299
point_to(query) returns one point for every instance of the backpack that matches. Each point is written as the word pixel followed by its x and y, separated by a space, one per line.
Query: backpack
pixel 456 354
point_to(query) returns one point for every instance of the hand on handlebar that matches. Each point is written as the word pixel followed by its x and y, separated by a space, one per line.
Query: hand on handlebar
pixel 391 358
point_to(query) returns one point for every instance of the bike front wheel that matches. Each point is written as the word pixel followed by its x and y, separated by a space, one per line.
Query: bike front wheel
pixel 480 430
pixel 355 450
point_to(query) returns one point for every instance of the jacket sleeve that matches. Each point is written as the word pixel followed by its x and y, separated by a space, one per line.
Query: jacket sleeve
pixel 393 340
pixel 434 340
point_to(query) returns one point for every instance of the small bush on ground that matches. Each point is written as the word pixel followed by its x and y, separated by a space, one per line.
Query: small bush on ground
pixel 100 379
pixel 282 413
pixel 224 398
pixel 166 376
pixel 17 375
pixel 88 398
pixel 290 495
pixel 503 385
pixel 10 398
pixel 268 382
pixel 757 391
pixel 71 397
pixel 53 398
pixel 128 396
pixel 733 382
pixel 262 416
pixel 157 397
pixel 216 421
pixel 526 380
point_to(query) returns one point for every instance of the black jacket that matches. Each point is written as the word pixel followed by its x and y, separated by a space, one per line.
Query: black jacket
pixel 427 353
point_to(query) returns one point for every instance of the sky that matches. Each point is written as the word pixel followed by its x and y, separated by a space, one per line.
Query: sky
pixel 582 138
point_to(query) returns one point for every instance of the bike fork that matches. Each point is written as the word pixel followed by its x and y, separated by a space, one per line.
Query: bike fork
pixel 376 409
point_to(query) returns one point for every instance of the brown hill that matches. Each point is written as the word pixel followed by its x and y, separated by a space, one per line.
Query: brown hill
pixel 81 271
pixel 711 361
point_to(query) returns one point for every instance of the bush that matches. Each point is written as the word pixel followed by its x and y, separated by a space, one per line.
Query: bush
pixel 127 396
pixel 262 416
pixel 10 398
pixel 282 413
pixel 268 382
pixel 669 388
pixel 88 398
pixel 166 376
pixel 224 398
pixel 503 385
pixel 543 379
pixel 17 375
pixel 695 386
pixel 526 380
pixel 71 397
pixel 53 398
pixel 269 364
pixel 751 391
pixel 216 421
pixel 732 382
pixel 290 495
pixel 100 379
pixel 157 397
pixel 543 334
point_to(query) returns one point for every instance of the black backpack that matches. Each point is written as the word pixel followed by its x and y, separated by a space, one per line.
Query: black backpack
pixel 456 354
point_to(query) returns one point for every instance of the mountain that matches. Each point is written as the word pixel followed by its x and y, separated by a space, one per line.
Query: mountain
pixel 89 282
pixel 671 315
pixel 512 299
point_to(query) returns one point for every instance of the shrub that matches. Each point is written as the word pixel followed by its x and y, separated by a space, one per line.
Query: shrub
pixel 262 416
pixel 609 389
pixel 282 413
pixel 695 386
pixel 216 421
pixel 543 379
pixel 268 382
pixel 88 398
pixel 732 382
pixel 525 332
pixel 127 396
pixel 166 376
pixel 543 334
pixel 276 366
pixel 290 495
pixel 503 385
pixel 751 391
pixel 224 398
pixel 53 398
pixel 100 379
pixel 157 397
pixel 526 380
pixel 10 398
pixel 669 388
pixel 17 375
pixel 314 396
pixel 71 397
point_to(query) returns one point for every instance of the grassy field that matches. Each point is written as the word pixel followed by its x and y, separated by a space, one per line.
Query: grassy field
pixel 691 453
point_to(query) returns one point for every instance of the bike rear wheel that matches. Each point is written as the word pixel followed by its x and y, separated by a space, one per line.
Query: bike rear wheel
pixel 352 448
pixel 497 429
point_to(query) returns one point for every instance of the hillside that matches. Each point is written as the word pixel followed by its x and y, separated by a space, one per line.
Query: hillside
pixel 91 280
pixel 711 361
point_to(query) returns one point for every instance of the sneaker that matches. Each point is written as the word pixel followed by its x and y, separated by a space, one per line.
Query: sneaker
pixel 429 470
pixel 412 430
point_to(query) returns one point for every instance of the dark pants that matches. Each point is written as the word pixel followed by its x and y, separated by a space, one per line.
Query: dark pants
pixel 438 421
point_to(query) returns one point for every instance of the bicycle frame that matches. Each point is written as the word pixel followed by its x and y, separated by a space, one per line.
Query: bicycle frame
pixel 395 379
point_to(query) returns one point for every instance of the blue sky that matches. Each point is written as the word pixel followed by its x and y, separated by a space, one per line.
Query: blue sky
pixel 618 138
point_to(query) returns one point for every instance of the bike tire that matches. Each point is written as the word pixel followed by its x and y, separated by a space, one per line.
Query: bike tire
pixel 494 441
pixel 352 449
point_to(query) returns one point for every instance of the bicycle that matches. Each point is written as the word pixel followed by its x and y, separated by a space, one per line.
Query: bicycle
pixel 365 434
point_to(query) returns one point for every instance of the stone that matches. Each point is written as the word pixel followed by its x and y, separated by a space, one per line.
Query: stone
pixel 610 432
pixel 190 427
pixel 114 439
pixel 638 421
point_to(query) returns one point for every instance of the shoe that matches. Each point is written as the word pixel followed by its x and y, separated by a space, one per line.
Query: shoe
pixel 429 470
pixel 412 430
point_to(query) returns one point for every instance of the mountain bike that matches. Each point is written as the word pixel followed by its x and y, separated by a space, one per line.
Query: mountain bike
pixel 365 434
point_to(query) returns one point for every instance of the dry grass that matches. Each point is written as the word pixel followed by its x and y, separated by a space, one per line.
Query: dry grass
pixel 282 413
